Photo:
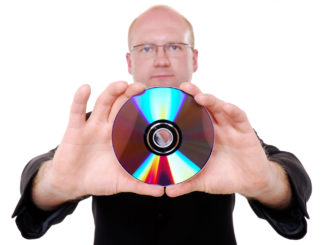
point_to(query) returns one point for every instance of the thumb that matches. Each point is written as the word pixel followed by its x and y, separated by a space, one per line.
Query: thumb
pixel 181 189
pixel 141 188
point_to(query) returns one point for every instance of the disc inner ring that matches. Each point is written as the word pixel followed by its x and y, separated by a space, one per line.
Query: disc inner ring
pixel 162 137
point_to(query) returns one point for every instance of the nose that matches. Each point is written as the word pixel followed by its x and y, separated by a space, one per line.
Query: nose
pixel 161 59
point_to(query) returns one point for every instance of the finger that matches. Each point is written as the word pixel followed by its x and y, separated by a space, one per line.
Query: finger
pixel 105 101
pixel 236 116
pixel 181 189
pixel 190 88
pixel 132 90
pixel 129 184
pixel 148 189
pixel 77 115
pixel 213 105
pixel 235 113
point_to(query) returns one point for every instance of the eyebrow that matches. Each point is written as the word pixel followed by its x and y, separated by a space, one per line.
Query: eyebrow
pixel 141 44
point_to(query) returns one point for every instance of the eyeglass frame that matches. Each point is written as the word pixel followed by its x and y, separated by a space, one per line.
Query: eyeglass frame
pixel 162 45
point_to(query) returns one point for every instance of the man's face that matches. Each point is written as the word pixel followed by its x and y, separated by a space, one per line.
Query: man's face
pixel 161 68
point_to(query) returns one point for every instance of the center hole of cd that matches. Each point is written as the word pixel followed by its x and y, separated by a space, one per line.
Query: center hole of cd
pixel 162 137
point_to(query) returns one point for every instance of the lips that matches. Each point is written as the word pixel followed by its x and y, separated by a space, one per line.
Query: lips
pixel 161 76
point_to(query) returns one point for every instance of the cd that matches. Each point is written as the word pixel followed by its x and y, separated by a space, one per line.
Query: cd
pixel 162 136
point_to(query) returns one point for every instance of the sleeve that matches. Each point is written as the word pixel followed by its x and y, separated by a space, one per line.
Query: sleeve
pixel 290 223
pixel 32 221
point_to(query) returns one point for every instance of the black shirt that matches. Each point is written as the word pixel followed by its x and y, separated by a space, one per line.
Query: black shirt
pixel 197 217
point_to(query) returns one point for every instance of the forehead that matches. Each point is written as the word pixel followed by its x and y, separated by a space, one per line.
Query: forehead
pixel 159 26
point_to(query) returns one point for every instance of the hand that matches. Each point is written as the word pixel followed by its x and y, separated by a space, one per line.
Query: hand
pixel 238 162
pixel 85 163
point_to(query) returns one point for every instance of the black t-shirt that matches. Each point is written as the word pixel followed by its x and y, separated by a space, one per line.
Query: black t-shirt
pixel 128 218
pixel 195 218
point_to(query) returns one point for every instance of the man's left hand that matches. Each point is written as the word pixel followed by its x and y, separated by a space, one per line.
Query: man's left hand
pixel 238 163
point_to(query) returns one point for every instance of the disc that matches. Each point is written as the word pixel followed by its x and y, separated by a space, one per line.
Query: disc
pixel 162 136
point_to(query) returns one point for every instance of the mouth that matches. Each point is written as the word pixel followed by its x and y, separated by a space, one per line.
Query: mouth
pixel 163 81
pixel 163 76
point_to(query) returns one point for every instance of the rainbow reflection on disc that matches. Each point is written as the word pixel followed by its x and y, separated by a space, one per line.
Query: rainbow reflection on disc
pixel 162 136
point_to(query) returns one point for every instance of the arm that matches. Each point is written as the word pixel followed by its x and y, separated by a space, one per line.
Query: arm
pixel 276 192
pixel 289 222
pixel 239 163
pixel 84 164
pixel 32 221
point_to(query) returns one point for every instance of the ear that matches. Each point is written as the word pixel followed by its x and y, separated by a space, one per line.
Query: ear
pixel 129 63
pixel 195 60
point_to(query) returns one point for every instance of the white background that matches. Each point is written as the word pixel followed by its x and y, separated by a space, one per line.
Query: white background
pixel 267 57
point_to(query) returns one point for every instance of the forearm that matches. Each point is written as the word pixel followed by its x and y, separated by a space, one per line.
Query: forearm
pixel 290 222
pixel 277 192
pixel 44 194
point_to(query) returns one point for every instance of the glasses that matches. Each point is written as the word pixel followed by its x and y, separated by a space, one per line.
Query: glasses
pixel 149 50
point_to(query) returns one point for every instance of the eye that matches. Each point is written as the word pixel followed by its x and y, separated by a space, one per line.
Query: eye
pixel 175 47
pixel 146 49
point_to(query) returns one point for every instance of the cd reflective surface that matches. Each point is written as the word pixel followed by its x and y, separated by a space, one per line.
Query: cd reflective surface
pixel 162 136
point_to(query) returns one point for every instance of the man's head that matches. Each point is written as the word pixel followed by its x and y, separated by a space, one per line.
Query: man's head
pixel 155 64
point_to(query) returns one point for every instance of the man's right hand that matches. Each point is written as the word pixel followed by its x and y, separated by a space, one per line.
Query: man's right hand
pixel 85 163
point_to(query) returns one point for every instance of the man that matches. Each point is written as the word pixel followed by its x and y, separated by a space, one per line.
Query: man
pixel 127 211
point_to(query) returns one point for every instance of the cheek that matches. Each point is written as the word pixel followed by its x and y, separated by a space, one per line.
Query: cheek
pixel 137 66
pixel 140 70
pixel 183 68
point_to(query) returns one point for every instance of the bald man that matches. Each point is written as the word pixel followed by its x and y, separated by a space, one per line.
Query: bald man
pixel 127 211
